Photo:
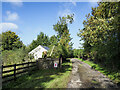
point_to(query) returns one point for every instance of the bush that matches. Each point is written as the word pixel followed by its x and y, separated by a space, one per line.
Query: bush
pixel 14 56
pixel 78 53
pixel 56 52
pixel 93 66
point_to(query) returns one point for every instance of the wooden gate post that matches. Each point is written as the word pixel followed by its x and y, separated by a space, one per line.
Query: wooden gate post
pixel 14 71
pixel 61 61
pixel 1 70
pixel 1 77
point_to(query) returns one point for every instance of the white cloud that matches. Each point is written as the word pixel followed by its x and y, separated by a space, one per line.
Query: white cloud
pixel 7 26
pixel 11 16
pixel 66 8
pixel 93 4
pixel 18 3
pixel 74 3
pixel 64 12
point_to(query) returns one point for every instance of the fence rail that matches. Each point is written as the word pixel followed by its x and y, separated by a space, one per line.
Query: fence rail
pixel 16 69
pixel 12 74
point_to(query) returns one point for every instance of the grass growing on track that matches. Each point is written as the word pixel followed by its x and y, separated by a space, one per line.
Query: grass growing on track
pixel 115 76
pixel 51 78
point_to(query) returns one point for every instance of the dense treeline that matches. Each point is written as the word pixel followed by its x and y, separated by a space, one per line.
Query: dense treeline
pixel 14 56
pixel 44 40
pixel 60 44
pixel 14 51
pixel 101 34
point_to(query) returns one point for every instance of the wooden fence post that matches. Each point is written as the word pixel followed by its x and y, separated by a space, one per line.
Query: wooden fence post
pixel 1 77
pixel 61 61
pixel 1 69
pixel 14 71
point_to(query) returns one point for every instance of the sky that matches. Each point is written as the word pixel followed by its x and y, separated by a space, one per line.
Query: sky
pixel 28 19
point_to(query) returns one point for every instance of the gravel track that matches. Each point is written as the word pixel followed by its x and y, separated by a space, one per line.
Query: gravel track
pixel 84 77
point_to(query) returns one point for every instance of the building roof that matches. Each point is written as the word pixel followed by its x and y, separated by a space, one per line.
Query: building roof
pixel 37 48
pixel 45 47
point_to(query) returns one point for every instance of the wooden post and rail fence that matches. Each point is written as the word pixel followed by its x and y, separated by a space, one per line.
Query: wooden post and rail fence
pixel 12 72
pixel 15 72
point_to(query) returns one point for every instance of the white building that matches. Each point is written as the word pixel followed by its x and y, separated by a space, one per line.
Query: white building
pixel 38 51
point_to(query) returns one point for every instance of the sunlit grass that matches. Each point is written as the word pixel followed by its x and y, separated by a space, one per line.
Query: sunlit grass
pixel 51 78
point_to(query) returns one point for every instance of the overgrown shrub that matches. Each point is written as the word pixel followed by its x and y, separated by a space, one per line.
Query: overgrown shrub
pixel 14 56
pixel 78 53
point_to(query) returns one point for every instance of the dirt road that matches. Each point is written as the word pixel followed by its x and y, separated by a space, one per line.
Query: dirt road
pixel 85 77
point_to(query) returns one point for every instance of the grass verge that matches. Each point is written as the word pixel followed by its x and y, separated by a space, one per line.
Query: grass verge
pixel 115 76
pixel 51 78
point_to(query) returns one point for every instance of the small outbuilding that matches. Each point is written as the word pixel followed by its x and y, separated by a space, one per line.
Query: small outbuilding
pixel 38 51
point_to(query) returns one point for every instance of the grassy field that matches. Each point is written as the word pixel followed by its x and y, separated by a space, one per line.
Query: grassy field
pixel 113 75
pixel 52 78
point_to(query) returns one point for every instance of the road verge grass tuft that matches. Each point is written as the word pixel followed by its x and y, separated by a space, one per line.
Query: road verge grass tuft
pixel 115 76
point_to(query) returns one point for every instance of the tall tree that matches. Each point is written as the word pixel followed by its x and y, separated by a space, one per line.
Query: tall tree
pixel 101 32
pixel 62 24
pixel 10 41
pixel 53 40
pixel 63 34
pixel 42 39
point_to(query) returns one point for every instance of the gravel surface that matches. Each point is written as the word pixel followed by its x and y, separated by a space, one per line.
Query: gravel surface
pixel 85 77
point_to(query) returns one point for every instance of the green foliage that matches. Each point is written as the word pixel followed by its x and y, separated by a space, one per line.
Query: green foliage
pixel 14 56
pixel 93 66
pixel 56 52
pixel 30 56
pixel 12 50
pixel 10 41
pixel 53 40
pixel 101 34
pixel 78 53
pixel 61 41
pixel 61 25
pixel 64 46
pixel 64 43
pixel 42 39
